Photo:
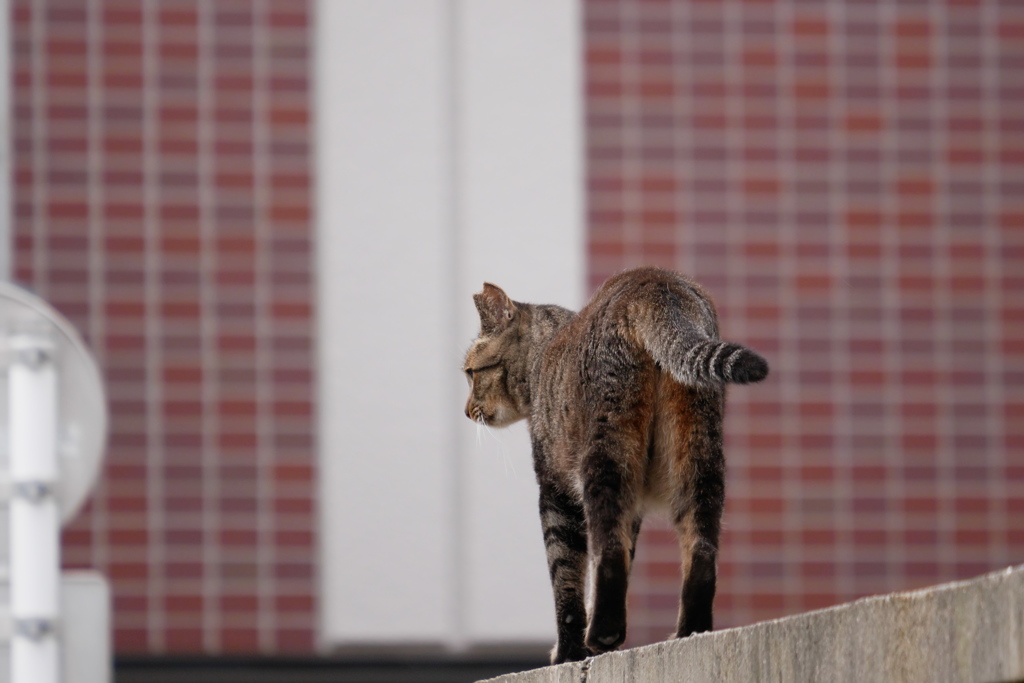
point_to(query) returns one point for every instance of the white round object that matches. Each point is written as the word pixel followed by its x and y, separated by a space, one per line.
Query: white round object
pixel 82 402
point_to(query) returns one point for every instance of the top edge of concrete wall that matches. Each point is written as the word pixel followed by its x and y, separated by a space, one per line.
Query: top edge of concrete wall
pixel 964 631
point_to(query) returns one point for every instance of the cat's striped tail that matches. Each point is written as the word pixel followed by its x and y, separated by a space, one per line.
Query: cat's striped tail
pixel 675 321
pixel 690 351
pixel 709 361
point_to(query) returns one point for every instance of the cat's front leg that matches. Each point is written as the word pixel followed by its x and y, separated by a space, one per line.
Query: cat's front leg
pixel 565 539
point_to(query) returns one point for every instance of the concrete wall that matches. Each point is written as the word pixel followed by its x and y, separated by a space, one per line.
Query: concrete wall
pixel 966 631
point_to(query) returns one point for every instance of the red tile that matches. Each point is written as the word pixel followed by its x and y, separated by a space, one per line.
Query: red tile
pixel 131 640
pixel 295 640
pixel 124 571
pixel 130 603
pixel 973 537
pixel 305 538
pixel 234 604
pixel 183 603
pixel 302 604
pixel 183 640
pixel 239 537
pixel 178 16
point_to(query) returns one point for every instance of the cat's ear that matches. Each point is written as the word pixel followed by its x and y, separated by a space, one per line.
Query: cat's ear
pixel 494 307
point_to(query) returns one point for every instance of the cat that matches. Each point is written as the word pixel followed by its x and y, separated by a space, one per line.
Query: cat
pixel 624 402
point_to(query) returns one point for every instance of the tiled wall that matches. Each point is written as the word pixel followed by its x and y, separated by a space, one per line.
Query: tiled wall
pixel 847 177
pixel 162 169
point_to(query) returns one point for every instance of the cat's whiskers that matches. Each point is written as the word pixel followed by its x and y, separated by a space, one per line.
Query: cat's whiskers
pixel 483 428
pixel 503 451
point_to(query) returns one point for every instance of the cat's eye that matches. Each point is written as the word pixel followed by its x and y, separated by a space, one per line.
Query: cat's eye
pixel 471 371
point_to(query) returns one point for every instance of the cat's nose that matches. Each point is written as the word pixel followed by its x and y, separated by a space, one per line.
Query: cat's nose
pixel 467 413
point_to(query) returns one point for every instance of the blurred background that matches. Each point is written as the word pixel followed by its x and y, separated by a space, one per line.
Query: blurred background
pixel 845 177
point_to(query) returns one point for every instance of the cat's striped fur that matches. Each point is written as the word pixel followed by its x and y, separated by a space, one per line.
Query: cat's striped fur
pixel 624 401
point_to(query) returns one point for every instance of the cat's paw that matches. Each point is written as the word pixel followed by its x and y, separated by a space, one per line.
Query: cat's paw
pixel 606 635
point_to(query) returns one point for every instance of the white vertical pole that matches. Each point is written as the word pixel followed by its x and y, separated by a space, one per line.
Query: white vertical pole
pixel 35 517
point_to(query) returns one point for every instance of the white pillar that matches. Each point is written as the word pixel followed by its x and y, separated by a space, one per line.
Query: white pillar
pixel 35 516
pixel 384 267
pixel 520 208
pixel 449 152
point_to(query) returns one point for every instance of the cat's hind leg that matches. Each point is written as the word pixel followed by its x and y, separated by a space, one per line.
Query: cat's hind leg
pixel 699 548
pixel 565 540
pixel 612 478
pixel 697 507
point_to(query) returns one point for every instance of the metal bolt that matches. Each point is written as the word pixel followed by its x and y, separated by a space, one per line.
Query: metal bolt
pixel 34 357
pixel 33 491
pixel 35 629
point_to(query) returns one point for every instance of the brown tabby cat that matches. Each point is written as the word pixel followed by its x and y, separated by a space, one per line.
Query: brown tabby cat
pixel 624 401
